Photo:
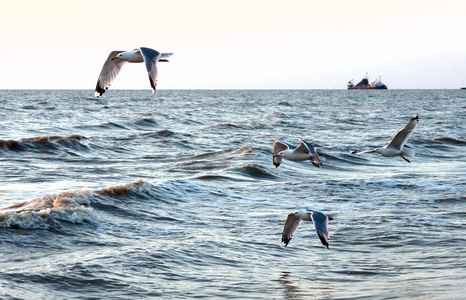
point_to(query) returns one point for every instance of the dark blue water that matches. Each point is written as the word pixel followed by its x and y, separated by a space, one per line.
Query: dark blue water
pixel 175 195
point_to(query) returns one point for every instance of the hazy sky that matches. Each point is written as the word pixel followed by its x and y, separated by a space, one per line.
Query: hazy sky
pixel 251 44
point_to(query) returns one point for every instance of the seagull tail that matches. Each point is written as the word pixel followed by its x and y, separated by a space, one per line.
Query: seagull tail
pixel 165 55
pixel 408 153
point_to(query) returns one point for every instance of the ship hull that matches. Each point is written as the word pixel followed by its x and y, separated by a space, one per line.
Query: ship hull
pixel 384 87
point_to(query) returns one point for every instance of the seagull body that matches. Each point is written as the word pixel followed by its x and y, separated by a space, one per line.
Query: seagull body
pixel 395 147
pixel 319 219
pixel 117 59
pixel 304 151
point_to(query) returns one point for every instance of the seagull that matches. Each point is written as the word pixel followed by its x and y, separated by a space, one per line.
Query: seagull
pixel 395 147
pixel 304 151
pixel 294 219
pixel 117 59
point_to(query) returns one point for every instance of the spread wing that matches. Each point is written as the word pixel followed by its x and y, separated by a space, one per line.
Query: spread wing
pixel 404 134
pixel 302 148
pixel 151 59
pixel 312 149
pixel 109 72
pixel 291 225
pixel 321 224
pixel 277 148
pixel 280 146
pixel 361 152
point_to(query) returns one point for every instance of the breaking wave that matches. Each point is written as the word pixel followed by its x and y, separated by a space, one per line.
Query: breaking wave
pixel 128 201
pixel 41 213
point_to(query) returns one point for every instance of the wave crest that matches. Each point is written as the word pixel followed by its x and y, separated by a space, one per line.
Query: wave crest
pixel 449 140
pixel 41 213
pixel 52 142
pixel 255 171
pixel 123 189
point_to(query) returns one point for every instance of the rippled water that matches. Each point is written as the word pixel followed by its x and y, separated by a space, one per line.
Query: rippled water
pixel 175 195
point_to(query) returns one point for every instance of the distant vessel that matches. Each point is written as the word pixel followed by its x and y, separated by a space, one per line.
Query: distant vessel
pixel 365 85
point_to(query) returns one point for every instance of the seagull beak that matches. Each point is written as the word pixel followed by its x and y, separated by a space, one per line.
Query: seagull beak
pixel 113 58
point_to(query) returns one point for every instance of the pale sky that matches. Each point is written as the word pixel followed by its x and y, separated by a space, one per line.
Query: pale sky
pixel 240 44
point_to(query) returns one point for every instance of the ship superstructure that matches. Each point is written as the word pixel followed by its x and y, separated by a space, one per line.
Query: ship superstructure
pixel 365 85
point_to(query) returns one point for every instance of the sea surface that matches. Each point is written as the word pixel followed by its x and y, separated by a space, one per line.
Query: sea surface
pixel 174 195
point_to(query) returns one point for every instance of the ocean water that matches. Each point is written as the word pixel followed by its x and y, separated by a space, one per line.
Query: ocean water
pixel 174 196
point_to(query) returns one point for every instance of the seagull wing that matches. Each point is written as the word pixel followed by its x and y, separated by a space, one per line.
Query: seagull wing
pixel 277 148
pixel 321 224
pixel 365 151
pixel 291 225
pixel 151 58
pixel 312 149
pixel 109 72
pixel 404 134
pixel 280 146
pixel 302 148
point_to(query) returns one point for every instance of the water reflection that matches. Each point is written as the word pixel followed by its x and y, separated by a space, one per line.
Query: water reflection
pixel 290 285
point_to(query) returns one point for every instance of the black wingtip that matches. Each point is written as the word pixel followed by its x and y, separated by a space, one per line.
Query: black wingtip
pixel 320 166
pixel 324 241
pixel 153 85
pixel 286 241
pixel 99 91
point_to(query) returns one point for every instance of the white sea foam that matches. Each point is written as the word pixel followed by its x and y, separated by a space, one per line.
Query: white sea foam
pixel 41 212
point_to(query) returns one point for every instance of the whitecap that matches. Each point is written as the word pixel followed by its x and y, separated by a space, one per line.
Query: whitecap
pixel 44 211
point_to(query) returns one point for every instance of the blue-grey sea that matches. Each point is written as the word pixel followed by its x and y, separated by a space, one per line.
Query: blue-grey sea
pixel 174 195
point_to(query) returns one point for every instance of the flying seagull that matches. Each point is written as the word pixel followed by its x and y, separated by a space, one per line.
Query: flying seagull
pixel 294 219
pixel 304 151
pixel 395 147
pixel 117 59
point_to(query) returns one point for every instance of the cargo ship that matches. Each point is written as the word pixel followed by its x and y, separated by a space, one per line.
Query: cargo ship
pixel 365 85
